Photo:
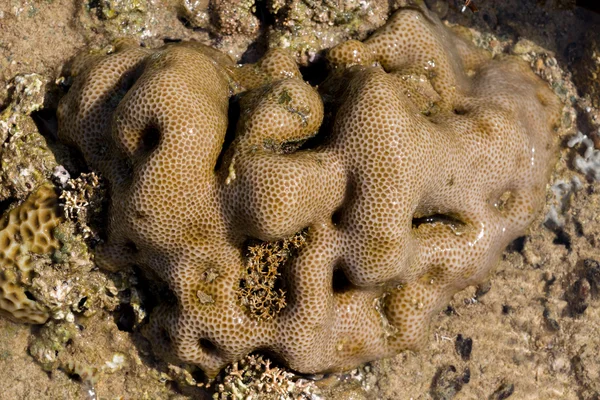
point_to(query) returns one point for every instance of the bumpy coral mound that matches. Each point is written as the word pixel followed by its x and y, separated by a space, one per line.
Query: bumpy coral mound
pixel 426 159
pixel 26 231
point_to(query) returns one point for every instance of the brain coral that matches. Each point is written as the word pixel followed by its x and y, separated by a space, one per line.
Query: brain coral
pixel 416 163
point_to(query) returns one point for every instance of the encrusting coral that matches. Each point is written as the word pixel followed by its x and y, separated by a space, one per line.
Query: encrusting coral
pixel 416 163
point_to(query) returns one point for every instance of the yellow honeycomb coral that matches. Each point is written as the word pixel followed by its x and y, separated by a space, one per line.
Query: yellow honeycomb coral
pixel 418 160
pixel 26 231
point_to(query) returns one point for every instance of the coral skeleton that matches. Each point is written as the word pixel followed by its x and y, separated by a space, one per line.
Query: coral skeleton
pixel 26 232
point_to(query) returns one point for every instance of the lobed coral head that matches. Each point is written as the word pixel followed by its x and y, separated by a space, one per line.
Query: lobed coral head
pixel 416 163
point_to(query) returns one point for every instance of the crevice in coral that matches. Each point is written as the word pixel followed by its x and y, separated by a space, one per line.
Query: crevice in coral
pixel 128 80
pixel 436 218
pixel 340 282
pixel 149 139
pixel 131 247
pixel 30 295
pixel 125 317
pixel 164 337
pixel 208 346
pixel 70 157
pixel 259 47
pixel 46 122
pixel 171 40
pixel 336 217
pixel 315 72
pixel 233 116
pixel 459 110
pixel 517 245
pixel 315 141
pixel 263 14
pixel 4 205
pixel 151 290
pixel 81 305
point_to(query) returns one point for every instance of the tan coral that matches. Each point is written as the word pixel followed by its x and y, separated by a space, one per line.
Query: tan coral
pixel 24 232
pixel 431 158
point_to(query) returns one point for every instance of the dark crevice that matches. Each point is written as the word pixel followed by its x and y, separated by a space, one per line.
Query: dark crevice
pixel 5 204
pixel 592 274
pixel 339 215
pixel 131 247
pixel 562 238
pixel 164 336
pixel 551 323
pixel 150 139
pixel 125 317
pixel 255 51
pixel 316 72
pixel 578 228
pixel 437 218
pixel 186 24
pixel 323 135
pixel 102 221
pixel 592 5
pixel 81 303
pixel 171 40
pixel 319 139
pixel 260 46
pixel 151 290
pixel 129 79
pixel 96 7
pixel 46 122
pixel 288 147
pixel 165 297
pixel 30 295
pixel 517 245
pixel 336 217
pixel 67 155
pixel 208 346
pixel 263 14
pixel 504 391
pixel 340 282
pixel 463 346
pixel 199 375
pixel 75 377
pixel 233 116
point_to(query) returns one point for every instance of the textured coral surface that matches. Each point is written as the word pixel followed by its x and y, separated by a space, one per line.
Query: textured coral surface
pixel 418 161
pixel 25 232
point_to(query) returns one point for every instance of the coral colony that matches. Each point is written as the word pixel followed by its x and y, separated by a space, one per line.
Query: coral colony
pixel 324 225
